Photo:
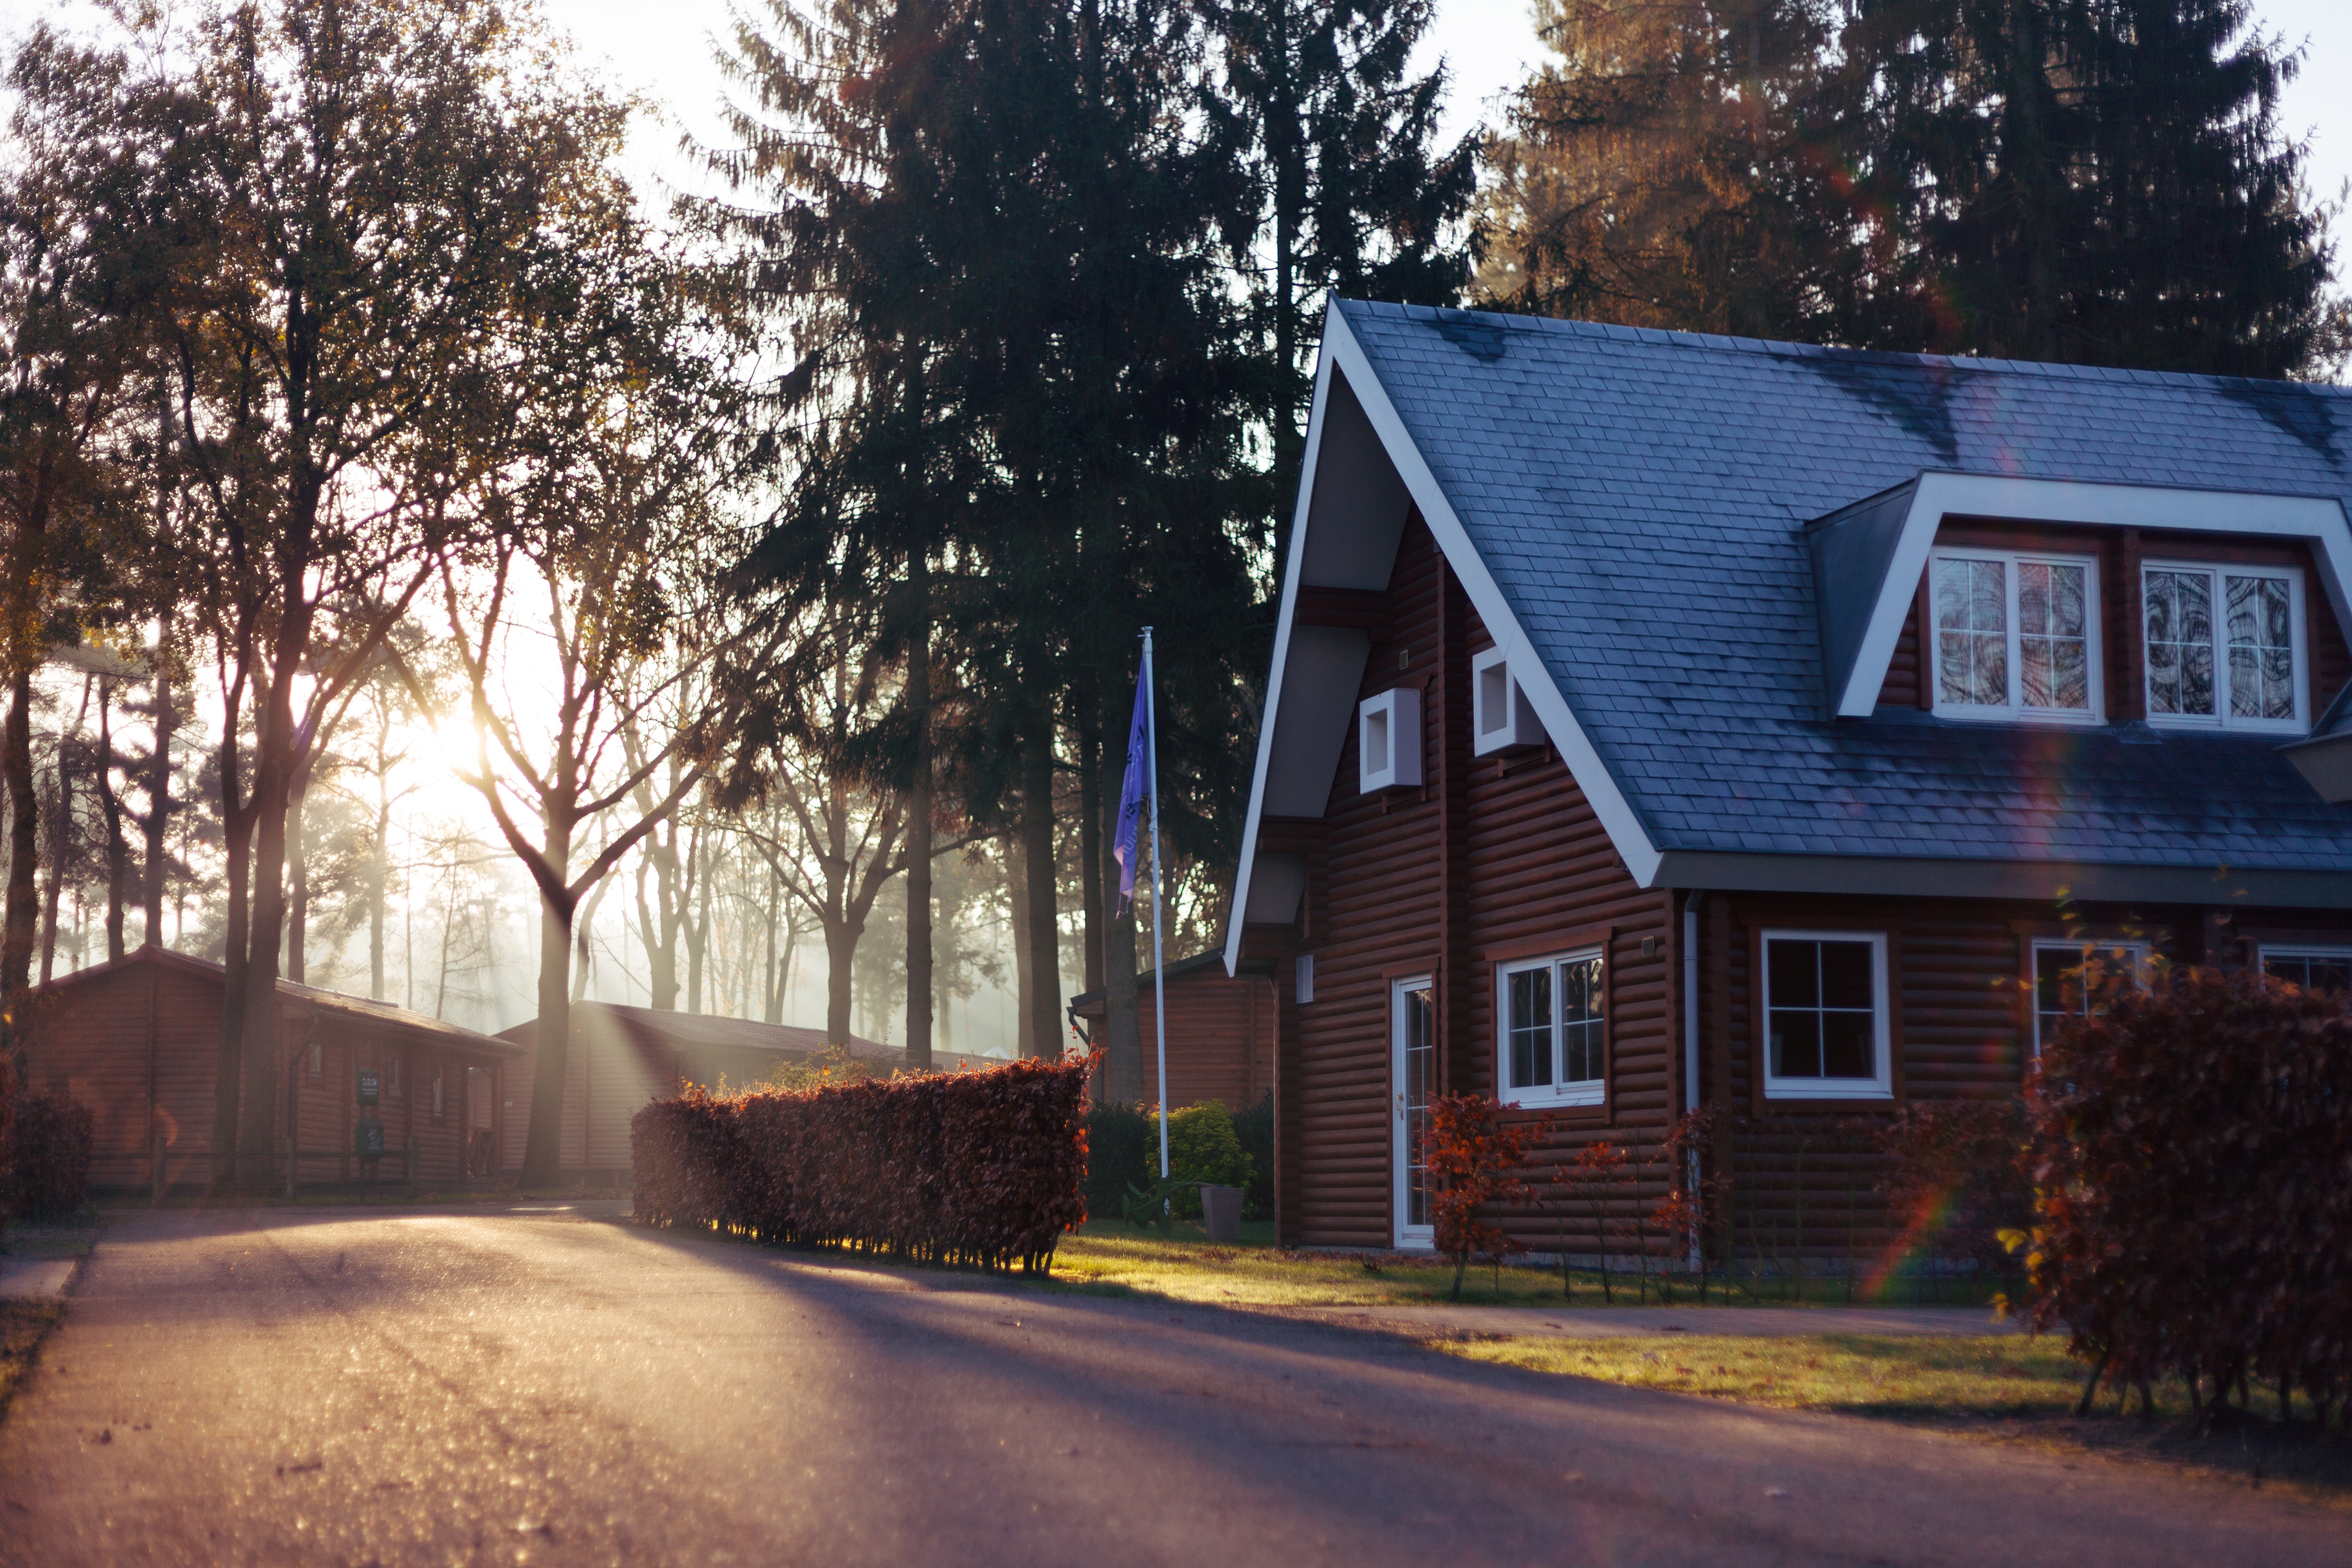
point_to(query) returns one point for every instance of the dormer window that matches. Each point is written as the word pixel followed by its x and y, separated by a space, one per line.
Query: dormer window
pixel 2016 635
pixel 2224 646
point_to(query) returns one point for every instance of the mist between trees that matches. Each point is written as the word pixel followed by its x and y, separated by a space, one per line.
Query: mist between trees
pixel 434 569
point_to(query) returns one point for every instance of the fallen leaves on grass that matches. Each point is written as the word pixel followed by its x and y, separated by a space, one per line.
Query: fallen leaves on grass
pixel 23 1324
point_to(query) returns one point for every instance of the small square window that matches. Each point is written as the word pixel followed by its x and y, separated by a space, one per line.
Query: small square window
pixel 1552 1024
pixel 1826 1031
pixel 1389 740
pixel 318 1059
pixel 2060 969
pixel 1500 717
pixel 2310 968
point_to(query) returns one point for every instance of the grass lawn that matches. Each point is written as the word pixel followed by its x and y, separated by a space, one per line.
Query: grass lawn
pixel 2006 1388
pixel 1109 1256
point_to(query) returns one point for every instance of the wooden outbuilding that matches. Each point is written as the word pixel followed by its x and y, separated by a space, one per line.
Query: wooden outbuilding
pixel 1659 722
pixel 1220 1033
pixel 622 1057
pixel 138 1041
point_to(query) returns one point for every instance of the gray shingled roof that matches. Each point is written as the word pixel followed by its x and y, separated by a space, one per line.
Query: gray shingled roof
pixel 1640 497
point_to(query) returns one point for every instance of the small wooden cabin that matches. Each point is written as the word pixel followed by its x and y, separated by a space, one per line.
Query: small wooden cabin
pixel 1659 720
pixel 1220 1033
pixel 138 1041
pixel 622 1057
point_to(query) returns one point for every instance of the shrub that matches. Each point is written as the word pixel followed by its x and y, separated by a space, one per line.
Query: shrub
pixel 2192 1151
pixel 1254 1128
pixel 1474 1160
pixel 46 1159
pixel 984 1168
pixel 1203 1147
pixel 1954 1179
pixel 1122 1151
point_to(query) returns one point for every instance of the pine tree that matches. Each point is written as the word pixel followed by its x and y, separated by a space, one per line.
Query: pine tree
pixel 2091 181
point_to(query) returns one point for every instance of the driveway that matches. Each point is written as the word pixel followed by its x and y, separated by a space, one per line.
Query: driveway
pixel 555 1386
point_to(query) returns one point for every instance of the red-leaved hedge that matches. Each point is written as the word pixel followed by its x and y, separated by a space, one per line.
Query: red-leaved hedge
pixel 2192 1161
pixel 979 1168
pixel 46 1157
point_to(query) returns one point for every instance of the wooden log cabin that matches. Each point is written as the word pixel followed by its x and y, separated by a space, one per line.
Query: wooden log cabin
pixel 1220 1033
pixel 1658 720
pixel 138 1041
pixel 621 1056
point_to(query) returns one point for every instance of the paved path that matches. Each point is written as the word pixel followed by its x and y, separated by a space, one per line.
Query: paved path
pixel 35 1276
pixel 443 1387
pixel 1627 1322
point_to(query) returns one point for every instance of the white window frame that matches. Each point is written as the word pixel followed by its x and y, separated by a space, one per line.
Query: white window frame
pixel 1389 740
pixel 1500 717
pixel 2014 709
pixel 2141 953
pixel 1881 1085
pixel 2222 720
pixel 1579 1091
pixel 2265 952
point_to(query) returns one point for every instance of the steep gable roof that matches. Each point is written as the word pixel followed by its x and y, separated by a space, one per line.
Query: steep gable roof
pixel 1633 508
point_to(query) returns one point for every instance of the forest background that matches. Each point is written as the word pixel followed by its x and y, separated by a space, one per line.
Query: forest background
pixel 484 527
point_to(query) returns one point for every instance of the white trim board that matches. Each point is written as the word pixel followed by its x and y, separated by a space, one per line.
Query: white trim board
pixel 2151 508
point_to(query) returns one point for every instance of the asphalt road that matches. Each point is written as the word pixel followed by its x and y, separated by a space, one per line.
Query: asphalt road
pixel 443 1387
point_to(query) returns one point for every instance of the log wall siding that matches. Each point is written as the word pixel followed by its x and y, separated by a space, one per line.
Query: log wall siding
pixel 2120 553
pixel 1220 1038
pixel 140 1047
pixel 1493 854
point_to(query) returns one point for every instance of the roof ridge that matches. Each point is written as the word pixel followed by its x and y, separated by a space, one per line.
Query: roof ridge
pixel 1782 348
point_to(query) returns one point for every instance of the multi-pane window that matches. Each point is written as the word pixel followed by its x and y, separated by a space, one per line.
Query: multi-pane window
pixel 2014 636
pixel 2223 644
pixel 2311 968
pixel 1552 1031
pixel 2066 973
pixel 1826 1033
pixel 440 1103
pixel 393 1074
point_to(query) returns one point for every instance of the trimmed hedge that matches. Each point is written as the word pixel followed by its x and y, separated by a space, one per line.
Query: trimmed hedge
pixel 982 1169
pixel 46 1155
pixel 2193 1149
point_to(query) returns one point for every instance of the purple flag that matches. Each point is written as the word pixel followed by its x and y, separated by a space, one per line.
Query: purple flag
pixel 1131 792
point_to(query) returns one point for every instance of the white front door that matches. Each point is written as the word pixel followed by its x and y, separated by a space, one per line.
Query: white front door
pixel 1412 1057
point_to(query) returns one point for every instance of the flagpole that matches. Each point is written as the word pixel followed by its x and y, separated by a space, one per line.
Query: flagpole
pixel 1159 958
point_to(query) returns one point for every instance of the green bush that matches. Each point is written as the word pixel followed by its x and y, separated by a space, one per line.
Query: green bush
pixel 1203 1146
pixel 46 1155
pixel 1254 1128
pixel 1122 1150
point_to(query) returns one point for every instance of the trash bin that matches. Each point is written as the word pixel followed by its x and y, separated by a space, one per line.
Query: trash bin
pixel 1221 1212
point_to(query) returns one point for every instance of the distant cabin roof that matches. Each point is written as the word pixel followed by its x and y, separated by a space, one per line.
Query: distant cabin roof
pixel 333 1002
pixel 688 1031
pixel 1640 507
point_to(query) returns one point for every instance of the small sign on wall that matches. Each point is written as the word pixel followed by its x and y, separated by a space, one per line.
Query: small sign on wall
pixel 370 1085
pixel 368 1138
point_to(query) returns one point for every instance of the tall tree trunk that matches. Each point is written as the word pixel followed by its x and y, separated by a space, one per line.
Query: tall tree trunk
pixel 23 916
pixel 919 819
pixel 109 805
pixel 1037 860
pixel 276 756
pixel 1016 887
pixel 159 801
pixel 697 934
pixel 542 1158
pixel 1124 1082
pixel 237 858
pixel 298 877
pixel 1090 822
pixel 379 887
pixel 61 858
pixel 840 956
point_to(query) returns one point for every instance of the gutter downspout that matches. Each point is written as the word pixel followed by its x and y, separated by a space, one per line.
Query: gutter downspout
pixel 1690 1048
